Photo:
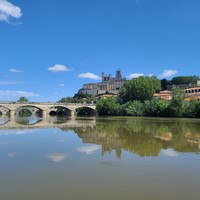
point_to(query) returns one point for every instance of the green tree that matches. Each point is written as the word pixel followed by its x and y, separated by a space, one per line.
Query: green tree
pixel 155 107
pixel 177 104
pixel 135 108
pixel 141 88
pixel 178 80
pixel 67 100
pixel 25 113
pixel 108 106
pixel 191 108
pixel 197 109
pixel 79 98
pixel 164 84
pixel 23 99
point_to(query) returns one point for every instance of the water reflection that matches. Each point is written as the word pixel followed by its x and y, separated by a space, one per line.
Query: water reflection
pixel 4 120
pixel 145 137
pixel 141 136
pixel 102 158
pixel 170 152
pixel 57 157
pixel 27 120
pixel 89 149
pixel 35 122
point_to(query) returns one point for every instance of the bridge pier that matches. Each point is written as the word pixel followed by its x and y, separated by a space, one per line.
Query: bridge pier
pixel 12 114
pixel 44 113
pixel 72 113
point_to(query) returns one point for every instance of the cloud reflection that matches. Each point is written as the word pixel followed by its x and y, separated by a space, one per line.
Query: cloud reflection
pixel 12 155
pixel 16 132
pixel 57 157
pixel 110 164
pixel 170 153
pixel 88 149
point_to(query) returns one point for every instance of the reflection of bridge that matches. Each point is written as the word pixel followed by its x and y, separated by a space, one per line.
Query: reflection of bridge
pixel 50 122
pixel 13 108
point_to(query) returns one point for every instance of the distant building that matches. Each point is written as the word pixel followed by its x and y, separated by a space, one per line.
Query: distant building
pixel 189 93
pixel 107 85
pixel 192 93
pixel 104 96
pixel 166 95
pixel 190 98
pixel 195 91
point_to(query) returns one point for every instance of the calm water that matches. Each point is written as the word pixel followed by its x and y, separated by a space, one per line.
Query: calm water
pixel 103 158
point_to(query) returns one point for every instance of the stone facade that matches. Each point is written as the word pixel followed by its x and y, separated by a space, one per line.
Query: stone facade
pixel 192 93
pixel 108 84
pixel 166 95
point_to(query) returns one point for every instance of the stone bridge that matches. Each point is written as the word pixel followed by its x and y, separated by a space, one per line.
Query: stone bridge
pixel 12 109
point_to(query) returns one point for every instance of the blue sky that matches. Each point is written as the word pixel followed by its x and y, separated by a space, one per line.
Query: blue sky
pixel 50 48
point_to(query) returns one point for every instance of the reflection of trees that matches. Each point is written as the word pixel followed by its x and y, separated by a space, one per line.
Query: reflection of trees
pixel 25 113
pixel 132 136
pixel 141 144
pixel 143 136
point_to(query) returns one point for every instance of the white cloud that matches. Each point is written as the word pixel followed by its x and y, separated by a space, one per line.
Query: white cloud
pixel 8 10
pixel 8 93
pixel 88 149
pixel 89 75
pixel 57 157
pixel 135 75
pixel 59 68
pixel 62 85
pixel 15 70
pixel 11 82
pixel 168 73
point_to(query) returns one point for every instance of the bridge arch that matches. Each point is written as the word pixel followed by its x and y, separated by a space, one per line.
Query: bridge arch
pixel 28 110
pixel 85 111
pixel 59 110
pixel 4 111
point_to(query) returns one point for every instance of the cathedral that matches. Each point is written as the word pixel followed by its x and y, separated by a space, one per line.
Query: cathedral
pixel 108 84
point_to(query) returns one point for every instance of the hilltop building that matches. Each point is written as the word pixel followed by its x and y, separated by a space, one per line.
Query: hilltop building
pixel 107 85
pixel 189 93
pixel 192 93
pixel 166 95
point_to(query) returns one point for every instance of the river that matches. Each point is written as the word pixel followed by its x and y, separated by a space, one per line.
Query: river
pixel 110 158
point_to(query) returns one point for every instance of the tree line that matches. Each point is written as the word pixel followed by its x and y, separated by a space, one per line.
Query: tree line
pixel 179 81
